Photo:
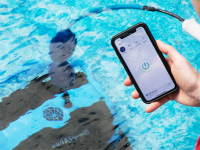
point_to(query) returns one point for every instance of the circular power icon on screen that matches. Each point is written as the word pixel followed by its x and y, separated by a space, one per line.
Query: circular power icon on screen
pixel 145 65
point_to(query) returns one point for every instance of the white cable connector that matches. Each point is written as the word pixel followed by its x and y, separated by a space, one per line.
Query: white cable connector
pixel 192 27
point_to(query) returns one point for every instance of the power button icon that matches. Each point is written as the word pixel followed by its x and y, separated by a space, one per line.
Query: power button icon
pixel 145 65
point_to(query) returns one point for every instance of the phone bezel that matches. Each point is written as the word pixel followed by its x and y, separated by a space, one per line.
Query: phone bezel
pixel 133 28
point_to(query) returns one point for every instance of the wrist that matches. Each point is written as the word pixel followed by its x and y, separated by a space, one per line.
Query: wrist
pixel 196 93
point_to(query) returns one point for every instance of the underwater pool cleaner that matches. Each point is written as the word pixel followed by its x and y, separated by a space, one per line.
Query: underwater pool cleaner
pixel 190 26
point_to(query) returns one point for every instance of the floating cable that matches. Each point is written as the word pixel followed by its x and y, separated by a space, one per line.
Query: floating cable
pixel 98 10
pixel 148 8
pixel 190 26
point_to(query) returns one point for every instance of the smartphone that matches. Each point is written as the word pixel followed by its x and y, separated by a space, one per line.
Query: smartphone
pixel 144 63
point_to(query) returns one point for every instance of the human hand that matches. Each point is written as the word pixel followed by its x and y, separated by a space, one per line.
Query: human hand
pixel 186 76
pixel 196 4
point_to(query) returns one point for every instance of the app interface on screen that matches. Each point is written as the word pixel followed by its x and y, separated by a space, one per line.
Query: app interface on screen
pixel 144 64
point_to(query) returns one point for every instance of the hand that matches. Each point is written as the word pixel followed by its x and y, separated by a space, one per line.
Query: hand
pixel 186 76
pixel 196 4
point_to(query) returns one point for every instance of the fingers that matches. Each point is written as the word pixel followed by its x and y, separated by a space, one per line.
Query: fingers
pixel 168 50
pixel 155 105
pixel 127 82
pixel 135 94
pixel 168 61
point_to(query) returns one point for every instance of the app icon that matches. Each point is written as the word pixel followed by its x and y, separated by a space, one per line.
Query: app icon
pixel 144 39
pixel 136 42
pixel 122 49
pixel 119 42
pixel 129 45
pixel 145 65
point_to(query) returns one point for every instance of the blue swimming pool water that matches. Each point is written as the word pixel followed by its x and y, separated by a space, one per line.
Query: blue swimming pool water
pixel 26 29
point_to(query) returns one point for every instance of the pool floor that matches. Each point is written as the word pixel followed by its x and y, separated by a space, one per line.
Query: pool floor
pixel 62 88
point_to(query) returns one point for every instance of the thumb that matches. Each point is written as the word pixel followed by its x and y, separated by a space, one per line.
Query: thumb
pixel 169 51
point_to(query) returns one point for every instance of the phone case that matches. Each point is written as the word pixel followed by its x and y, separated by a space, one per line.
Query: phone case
pixel 126 33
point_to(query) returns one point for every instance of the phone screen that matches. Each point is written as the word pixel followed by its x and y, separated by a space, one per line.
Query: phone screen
pixel 145 64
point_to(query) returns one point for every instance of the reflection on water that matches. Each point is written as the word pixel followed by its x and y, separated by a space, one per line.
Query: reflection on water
pixel 62 75
pixel 61 48
pixel 64 116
